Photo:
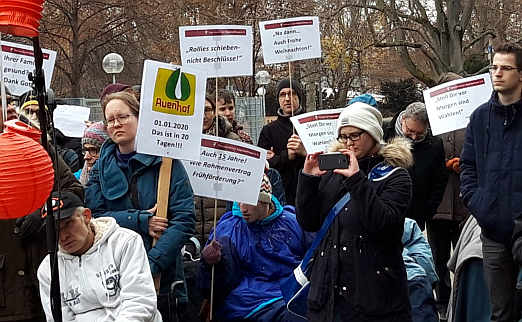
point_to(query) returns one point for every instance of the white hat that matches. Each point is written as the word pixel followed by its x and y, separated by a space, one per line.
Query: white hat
pixel 364 117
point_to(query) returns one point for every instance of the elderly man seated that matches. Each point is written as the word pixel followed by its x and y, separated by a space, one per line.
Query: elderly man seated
pixel 103 268
pixel 255 248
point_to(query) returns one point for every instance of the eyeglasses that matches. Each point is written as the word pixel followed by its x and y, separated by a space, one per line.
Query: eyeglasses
pixel 503 68
pixel 122 120
pixel 290 93
pixel 343 138
pixel 418 135
pixel 92 151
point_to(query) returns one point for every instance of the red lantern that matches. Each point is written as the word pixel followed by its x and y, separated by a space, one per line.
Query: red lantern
pixel 20 17
pixel 26 175
pixel 22 128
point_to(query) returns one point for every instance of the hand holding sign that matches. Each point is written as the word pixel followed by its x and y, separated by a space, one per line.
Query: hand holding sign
pixel 295 147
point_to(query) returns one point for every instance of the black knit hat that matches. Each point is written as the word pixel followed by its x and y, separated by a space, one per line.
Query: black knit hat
pixel 285 83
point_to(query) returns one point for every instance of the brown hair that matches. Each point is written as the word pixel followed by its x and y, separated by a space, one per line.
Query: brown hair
pixel 509 48
pixel 225 95
pixel 129 99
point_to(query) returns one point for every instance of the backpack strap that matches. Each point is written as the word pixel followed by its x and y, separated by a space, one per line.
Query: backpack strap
pixel 336 209
pixel 380 172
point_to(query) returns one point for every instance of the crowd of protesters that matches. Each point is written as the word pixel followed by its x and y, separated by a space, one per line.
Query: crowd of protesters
pixel 118 260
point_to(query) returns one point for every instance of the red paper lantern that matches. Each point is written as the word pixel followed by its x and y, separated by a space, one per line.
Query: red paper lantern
pixel 20 17
pixel 26 175
pixel 22 128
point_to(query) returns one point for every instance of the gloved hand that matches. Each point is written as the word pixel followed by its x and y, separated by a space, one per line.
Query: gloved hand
pixel 28 225
pixel 211 254
pixel 453 164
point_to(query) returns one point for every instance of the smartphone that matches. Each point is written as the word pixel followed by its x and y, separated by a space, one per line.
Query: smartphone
pixel 334 160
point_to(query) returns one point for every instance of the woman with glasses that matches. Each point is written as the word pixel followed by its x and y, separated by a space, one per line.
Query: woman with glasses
pixel 92 140
pixel 358 273
pixel 123 185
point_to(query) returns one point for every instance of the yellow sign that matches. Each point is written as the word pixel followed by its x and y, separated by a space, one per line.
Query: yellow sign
pixel 174 92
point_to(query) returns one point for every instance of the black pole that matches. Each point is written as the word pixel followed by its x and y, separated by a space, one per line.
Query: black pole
pixel 38 80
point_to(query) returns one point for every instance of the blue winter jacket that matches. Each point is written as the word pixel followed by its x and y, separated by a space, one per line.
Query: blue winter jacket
pixel 108 193
pixel 491 168
pixel 255 258
pixel 417 253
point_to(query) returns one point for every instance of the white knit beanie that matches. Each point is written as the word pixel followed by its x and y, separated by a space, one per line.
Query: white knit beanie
pixel 364 117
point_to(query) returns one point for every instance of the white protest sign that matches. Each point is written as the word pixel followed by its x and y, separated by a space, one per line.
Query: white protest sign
pixel 171 111
pixel 70 119
pixel 18 62
pixel 450 105
pixel 290 39
pixel 316 129
pixel 221 50
pixel 228 170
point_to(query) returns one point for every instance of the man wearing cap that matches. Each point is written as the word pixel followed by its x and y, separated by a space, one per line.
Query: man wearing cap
pixel 256 246
pixel 103 268
pixel 286 152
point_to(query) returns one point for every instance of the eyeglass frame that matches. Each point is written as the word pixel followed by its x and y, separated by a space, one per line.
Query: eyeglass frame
pixel 88 150
pixel 356 136
pixel 289 94
pixel 410 131
pixel 503 68
pixel 122 120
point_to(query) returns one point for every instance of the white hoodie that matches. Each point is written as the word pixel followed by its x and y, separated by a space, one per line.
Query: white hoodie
pixel 110 282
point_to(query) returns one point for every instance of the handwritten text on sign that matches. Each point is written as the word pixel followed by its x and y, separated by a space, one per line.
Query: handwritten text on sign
pixel 222 51
pixel 227 170
pixel 171 111
pixel 18 62
pixel 450 105
pixel 317 129
pixel 290 39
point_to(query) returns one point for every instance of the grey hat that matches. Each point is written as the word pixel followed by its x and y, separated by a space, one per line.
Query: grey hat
pixel 364 117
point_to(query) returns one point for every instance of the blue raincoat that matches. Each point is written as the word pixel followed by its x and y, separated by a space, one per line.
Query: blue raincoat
pixel 255 257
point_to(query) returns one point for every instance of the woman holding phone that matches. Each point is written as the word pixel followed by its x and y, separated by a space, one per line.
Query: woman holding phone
pixel 357 273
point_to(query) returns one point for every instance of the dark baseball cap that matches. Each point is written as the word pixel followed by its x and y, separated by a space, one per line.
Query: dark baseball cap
pixel 66 202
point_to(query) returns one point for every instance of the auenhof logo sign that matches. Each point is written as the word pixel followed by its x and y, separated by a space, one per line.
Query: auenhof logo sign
pixel 174 92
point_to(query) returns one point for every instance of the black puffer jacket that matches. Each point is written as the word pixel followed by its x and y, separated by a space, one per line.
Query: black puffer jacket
pixel 359 261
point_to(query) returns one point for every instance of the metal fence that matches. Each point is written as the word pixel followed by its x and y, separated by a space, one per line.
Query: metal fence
pixel 92 103
pixel 250 112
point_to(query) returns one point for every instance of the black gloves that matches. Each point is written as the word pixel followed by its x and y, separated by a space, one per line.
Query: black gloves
pixel 28 225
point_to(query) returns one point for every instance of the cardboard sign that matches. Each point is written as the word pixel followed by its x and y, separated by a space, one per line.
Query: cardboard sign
pixel 221 51
pixel 18 62
pixel 171 111
pixel 227 170
pixel 290 39
pixel 317 129
pixel 70 119
pixel 450 105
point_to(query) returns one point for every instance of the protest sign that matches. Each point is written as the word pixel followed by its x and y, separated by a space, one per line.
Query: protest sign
pixel 171 111
pixel 70 119
pixel 450 105
pixel 221 51
pixel 227 170
pixel 317 129
pixel 291 39
pixel 18 62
